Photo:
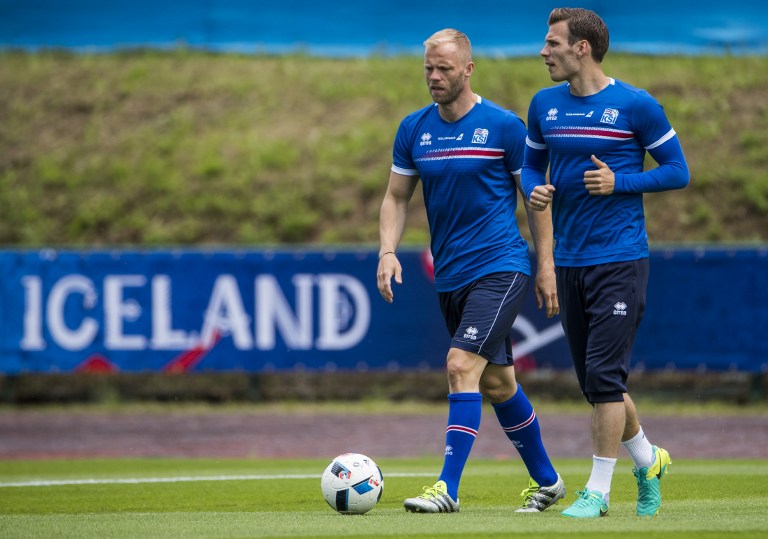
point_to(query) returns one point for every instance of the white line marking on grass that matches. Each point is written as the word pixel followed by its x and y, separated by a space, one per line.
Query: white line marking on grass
pixel 140 480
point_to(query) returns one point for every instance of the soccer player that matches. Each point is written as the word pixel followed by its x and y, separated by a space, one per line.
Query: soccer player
pixel 593 132
pixel 467 152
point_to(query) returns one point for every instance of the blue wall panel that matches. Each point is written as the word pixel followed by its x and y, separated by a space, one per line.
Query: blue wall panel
pixel 63 311
pixel 707 309
pixel 346 27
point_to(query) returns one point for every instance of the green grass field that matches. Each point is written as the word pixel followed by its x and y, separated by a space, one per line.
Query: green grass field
pixel 281 498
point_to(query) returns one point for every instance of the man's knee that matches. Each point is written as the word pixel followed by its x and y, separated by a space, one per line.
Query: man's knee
pixel 464 370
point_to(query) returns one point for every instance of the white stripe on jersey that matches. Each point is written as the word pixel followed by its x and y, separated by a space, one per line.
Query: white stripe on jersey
pixel 671 133
pixel 535 145
pixel 404 171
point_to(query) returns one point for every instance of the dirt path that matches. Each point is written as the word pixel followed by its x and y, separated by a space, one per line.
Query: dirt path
pixel 82 434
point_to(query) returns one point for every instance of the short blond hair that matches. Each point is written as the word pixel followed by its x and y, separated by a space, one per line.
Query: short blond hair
pixel 449 35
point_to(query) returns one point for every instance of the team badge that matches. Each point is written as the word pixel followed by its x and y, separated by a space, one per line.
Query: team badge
pixel 480 136
pixel 609 116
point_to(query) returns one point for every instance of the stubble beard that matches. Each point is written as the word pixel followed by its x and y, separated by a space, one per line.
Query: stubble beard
pixel 450 94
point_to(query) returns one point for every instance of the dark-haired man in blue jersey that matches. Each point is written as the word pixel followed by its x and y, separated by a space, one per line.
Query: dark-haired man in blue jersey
pixel 468 152
pixel 593 132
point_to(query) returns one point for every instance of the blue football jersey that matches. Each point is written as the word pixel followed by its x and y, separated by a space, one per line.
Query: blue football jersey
pixel 466 170
pixel 617 125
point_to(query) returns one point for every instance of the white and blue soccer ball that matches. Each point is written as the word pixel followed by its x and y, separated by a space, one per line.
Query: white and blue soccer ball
pixel 352 484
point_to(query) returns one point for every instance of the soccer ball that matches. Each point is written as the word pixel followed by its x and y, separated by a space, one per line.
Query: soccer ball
pixel 352 484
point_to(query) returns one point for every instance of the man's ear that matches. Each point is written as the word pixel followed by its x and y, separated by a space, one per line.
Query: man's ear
pixel 583 48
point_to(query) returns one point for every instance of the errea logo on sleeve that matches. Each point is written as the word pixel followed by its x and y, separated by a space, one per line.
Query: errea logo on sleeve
pixel 471 333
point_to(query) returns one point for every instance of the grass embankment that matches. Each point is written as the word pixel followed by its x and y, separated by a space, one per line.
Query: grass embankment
pixel 156 148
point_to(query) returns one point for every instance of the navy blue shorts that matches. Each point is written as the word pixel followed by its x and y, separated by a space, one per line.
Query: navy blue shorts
pixel 601 308
pixel 479 316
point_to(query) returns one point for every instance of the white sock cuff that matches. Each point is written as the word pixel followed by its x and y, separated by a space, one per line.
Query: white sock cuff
pixel 602 473
pixel 636 438
pixel 604 461
pixel 640 449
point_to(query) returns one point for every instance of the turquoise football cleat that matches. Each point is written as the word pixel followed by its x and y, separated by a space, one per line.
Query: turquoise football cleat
pixel 649 482
pixel 589 504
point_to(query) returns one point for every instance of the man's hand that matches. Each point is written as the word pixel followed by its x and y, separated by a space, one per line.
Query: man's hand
pixel 389 267
pixel 541 197
pixel 600 181
pixel 546 292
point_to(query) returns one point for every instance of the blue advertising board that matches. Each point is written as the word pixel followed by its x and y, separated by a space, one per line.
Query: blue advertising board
pixel 354 28
pixel 707 309
pixel 259 311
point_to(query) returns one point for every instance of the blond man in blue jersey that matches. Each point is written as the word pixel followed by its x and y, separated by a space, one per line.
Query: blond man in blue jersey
pixel 467 153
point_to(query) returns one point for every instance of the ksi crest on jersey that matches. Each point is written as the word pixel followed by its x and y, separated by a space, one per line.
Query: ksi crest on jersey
pixel 609 116
pixel 480 136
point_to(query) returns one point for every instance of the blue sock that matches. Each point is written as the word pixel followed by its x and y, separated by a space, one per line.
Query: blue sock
pixel 521 426
pixel 464 411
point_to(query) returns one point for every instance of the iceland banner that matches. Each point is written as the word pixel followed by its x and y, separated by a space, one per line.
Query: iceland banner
pixel 256 311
